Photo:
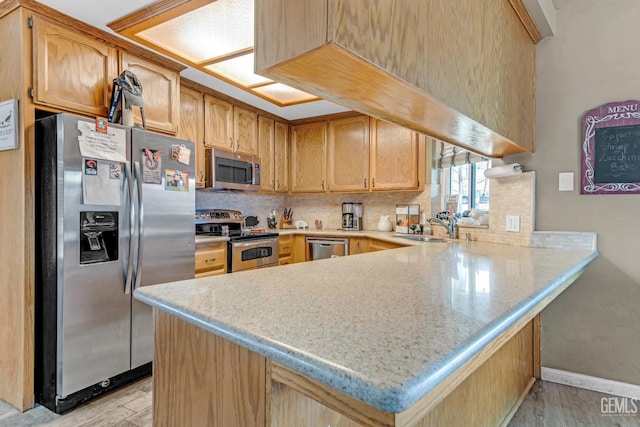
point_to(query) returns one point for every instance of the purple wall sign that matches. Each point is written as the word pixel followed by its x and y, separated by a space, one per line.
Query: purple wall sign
pixel 611 149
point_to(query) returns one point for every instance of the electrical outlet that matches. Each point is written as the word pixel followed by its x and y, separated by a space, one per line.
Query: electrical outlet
pixel 513 223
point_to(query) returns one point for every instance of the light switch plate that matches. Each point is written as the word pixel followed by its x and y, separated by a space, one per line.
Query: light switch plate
pixel 513 223
pixel 565 181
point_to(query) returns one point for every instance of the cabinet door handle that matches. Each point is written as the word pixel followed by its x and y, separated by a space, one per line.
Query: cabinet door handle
pixel 373 182
pixel 277 184
pixel 210 260
pixel 323 184
pixel 365 183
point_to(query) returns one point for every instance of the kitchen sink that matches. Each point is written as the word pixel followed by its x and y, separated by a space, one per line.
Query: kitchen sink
pixel 421 238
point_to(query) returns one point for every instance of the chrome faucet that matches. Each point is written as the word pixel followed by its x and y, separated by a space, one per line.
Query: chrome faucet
pixel 451 226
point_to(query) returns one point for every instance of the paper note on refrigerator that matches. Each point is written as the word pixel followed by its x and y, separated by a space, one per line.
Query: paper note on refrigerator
pixel 111 145
pixel 101 182
pixel 151 166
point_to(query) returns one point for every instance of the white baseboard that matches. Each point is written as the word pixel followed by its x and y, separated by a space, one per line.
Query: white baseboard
pixel 602 385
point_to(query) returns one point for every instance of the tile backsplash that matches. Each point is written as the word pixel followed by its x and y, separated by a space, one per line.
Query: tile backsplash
pixel 309 207
pixel 509 196
pixel 328 207
pixel 248 203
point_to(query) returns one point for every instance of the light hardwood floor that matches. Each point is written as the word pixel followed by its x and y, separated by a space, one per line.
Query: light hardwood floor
pixel 555 405
pixel 547 405
pixel 126 407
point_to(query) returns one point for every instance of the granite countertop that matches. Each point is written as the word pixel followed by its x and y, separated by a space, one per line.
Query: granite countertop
pixel 383 327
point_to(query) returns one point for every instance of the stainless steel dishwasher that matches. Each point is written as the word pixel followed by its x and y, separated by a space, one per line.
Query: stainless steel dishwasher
pixel 320 248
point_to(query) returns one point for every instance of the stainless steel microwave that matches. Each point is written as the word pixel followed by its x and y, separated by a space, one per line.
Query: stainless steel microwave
pixel 231 171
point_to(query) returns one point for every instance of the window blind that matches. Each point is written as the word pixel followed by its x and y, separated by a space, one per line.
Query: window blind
pixel 448 155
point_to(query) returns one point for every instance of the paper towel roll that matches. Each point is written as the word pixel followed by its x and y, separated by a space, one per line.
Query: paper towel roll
pixel 503 171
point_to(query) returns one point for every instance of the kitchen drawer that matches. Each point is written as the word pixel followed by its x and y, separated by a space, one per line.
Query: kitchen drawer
pixel 381 245
pixel 284 260
pixel 285 245
pixel 210 259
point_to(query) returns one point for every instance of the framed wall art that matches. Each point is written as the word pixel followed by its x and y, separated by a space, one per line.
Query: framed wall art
pixel 9 125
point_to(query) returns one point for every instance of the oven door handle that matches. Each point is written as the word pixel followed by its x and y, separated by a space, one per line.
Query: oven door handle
pixel 255 243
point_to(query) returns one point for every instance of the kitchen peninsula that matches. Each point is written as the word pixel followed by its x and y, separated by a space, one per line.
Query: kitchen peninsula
pixel 432 334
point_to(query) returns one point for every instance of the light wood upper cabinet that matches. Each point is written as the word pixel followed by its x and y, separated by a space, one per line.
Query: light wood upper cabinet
pixel 160 91
pixel 72 71
pixel 192 127
pixel 273 147
pixel 218 123
pixel 395 159
pixel 281 157
pixel 245 131
pixel 348 154
pixel 266 146
pixel 308 158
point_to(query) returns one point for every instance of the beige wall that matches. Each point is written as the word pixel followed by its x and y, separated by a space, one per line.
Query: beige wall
pixel 592 328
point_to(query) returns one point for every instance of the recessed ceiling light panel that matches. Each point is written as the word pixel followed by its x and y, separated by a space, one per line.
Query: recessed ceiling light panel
pixel 214 30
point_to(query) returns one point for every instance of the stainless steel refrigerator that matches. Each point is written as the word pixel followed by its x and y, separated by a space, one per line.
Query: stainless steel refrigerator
pixel 104 228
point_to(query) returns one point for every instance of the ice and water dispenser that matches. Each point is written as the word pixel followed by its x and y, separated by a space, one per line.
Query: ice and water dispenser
pixel 98 237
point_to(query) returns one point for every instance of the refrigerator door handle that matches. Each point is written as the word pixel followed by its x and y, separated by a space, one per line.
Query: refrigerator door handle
pixel 129 278
pixel 138 175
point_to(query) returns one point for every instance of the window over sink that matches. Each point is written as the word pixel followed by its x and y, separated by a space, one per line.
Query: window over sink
pixel 462 174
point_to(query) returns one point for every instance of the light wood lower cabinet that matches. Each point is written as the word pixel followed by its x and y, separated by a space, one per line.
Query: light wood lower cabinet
pixel 286 249
pixel 358 245
pixel 71 71
pixel 202 379
pixel 211 259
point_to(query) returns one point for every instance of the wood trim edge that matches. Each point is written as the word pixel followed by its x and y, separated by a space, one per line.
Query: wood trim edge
pixel 155 13
pixel 212 92
pixel 537 348
pixel 346 405
pixel 516 406
pixel 526 19
pixel 8 6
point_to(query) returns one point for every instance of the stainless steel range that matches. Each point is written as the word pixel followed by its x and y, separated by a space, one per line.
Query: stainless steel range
pixel 247 250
